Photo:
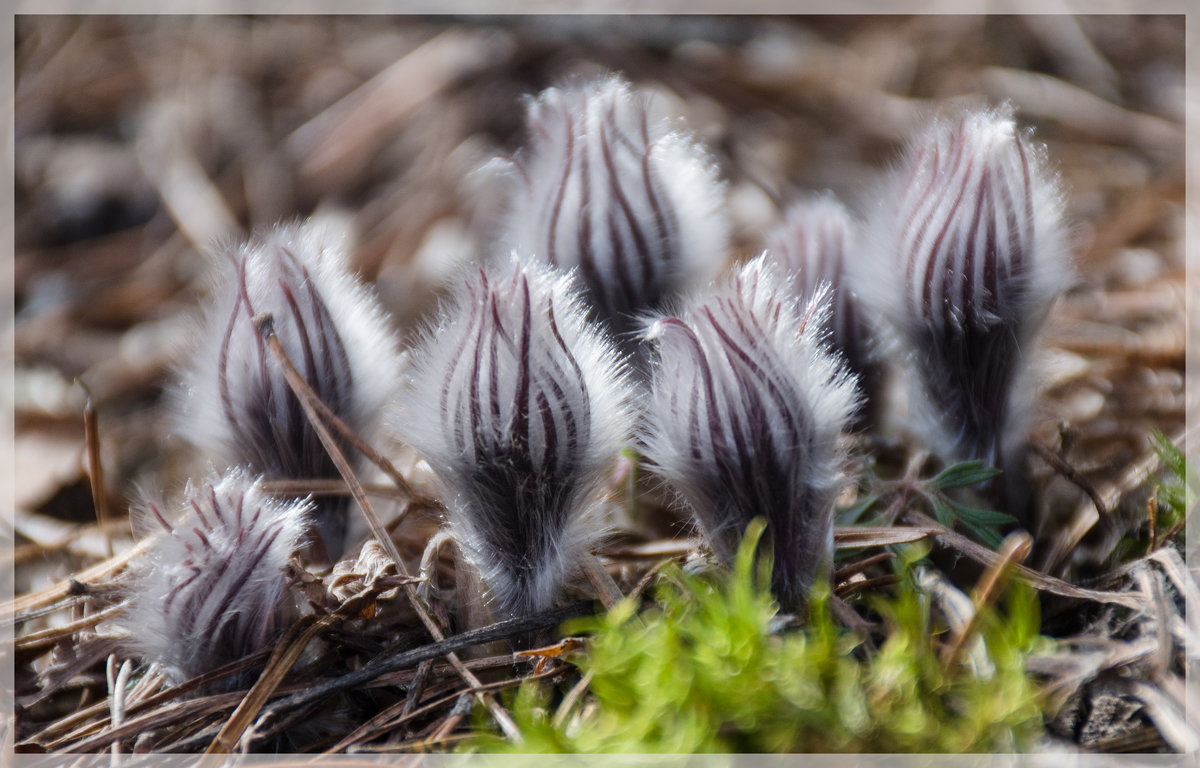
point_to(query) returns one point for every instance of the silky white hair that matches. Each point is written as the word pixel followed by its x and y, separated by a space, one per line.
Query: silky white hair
pixel 746 408
pixel 518 403
pixel 211 589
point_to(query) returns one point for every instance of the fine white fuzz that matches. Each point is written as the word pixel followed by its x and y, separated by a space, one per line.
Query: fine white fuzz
pixel 518 404
pixel 210 591
pixel 967 254
pixel 812 245
pixel 745 412
pixel 236 403
pixel 618 192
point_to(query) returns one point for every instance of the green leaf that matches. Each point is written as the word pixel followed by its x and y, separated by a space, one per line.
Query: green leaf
pixel 982 523
pixel 962 474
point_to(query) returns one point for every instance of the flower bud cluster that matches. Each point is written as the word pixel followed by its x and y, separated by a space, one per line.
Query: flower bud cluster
pixel 519 399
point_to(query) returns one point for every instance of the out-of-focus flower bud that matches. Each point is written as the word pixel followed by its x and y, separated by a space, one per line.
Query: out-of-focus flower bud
pixel 812 245
pixel 211 590
pixel 236 402
pixel 620 193
pixel 518 404
pixel 745 413
pixel 969 253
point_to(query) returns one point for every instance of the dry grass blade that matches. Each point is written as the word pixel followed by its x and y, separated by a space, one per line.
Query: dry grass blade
pixel 286 652
pixel 572 698
pixel 174 712
pixel 44 640
pixel 343 139
pixel 91 428
pixel 879 536
pixel 1013 551
pixel 1041 581
pixel 84 729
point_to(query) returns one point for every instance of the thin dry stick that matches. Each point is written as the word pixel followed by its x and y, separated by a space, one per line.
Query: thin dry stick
pixel 606 589
pixel 1013 551
pixel 266 326
pixel 91 430
pixel 310 399
pixel 1060 465
pixel 292 488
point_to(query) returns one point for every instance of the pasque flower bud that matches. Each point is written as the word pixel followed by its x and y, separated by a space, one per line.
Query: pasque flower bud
pixel 518 404
pixel 237 404
pixel 812 245
pixel 210 591
pixel 745 412
pixel 969 253
pixel 611 188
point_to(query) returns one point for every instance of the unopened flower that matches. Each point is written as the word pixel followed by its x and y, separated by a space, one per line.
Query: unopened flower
pixel 610 188
pixel 236 402
pixel 211 590
pixel 744 418
pixel 518 404
pixel 812 245
pixel 970 252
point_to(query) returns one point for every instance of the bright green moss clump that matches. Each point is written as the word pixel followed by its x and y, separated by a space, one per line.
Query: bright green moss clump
pixel 702 672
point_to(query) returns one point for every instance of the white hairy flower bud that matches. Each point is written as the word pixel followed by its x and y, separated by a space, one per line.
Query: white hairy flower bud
pixel 236 402
pixel 968 253
pixel 610 188
pixel 518 404
pixel 211 590
pixel 745 413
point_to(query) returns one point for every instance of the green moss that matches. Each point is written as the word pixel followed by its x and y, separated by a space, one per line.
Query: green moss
pixel 701 671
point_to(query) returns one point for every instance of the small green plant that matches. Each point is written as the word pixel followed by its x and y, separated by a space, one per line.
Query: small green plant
pixel 984 524
pixel 1174 499
pixel 703 671
pixel 1178 491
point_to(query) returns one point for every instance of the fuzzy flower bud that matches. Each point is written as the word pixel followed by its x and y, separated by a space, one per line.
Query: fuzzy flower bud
pixel 236 401
pixel 210 591
pixel 812 245
pixel 518 404
pixel 970 252
pixel 608 187
pixel 745 412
